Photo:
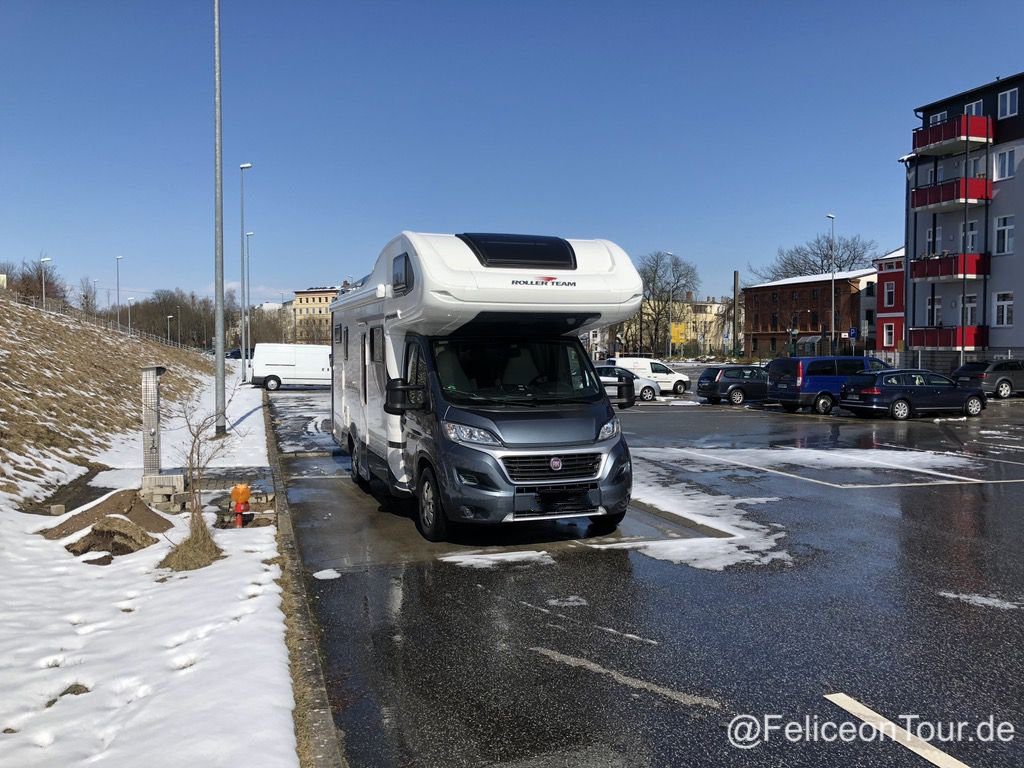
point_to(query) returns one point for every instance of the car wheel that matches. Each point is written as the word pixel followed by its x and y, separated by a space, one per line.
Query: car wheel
pixel 605 524
pixel 973 406
pixel 272 383
pixel 679 387
pixel 714 400
pixel 900 410
pixel 431 518
pixel 823 404
pixel 357 478
pixel 737 396
pixel 1003 389
pixel 647 394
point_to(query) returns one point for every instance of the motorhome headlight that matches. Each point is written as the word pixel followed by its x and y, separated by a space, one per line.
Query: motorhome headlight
pixel 462 433
pixel 611 429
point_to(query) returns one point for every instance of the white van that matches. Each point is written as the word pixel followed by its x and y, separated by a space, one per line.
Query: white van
pixel 277 364
pixel 669 381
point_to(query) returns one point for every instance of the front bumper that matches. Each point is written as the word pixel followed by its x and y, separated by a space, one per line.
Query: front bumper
pixel 477 486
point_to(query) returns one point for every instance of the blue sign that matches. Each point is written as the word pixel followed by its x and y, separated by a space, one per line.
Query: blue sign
pixel 853 333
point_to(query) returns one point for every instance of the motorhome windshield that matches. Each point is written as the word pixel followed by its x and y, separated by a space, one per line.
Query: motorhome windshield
pixel 511 371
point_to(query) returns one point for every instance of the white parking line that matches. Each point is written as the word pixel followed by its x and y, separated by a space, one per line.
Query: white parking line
pixel 912 470
pixel 887 727
pixel 955 453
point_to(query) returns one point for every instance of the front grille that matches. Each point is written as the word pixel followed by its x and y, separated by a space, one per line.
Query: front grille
pixel 524 469
pixel 562 499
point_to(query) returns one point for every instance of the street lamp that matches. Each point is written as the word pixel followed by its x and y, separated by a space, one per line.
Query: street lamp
pixel 179 326
pixel 671 297
pixel 241 207
pixel 42 274
pixel 248 294
pixel 130 302
pixel 117 261
pixel 832 253
pixel 169 328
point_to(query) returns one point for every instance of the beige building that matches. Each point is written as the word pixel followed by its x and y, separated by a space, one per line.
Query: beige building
pixel 311 314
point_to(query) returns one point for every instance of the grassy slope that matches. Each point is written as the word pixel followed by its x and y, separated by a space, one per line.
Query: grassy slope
pixel 65 384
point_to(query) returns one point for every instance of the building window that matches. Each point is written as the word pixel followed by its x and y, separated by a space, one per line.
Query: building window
pixel 814 320
pixel 888 334
pixel 775 321
pixel 974 108
pixel 938 117
pixel 1008 104
pixel 975 168
pixel 1004 234
pixel 772 344
pixel 1005 164
pixel 869 316
pixel 814 294
pixel 934 311
pixel 971 246
pixel 889 300
pixel 1004 309
pixel 933 240
pixel 753 345
pixel 970 312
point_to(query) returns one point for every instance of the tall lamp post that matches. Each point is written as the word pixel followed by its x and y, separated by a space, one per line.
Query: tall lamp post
pixel 832 253
pixel 169 328
pixel 42 274
pixel 671 296
pixel 241 208
pixel 248 294
pixel 117 261
pixel 130 302
pixel 95 297
pixel 179 326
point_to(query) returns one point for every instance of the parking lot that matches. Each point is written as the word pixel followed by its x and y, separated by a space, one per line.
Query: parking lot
pixel 771 560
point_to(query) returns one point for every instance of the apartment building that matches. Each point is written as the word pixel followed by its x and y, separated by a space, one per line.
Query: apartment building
pixel 311 314
pixel 963 198
pixel 793 316
pixel 890 302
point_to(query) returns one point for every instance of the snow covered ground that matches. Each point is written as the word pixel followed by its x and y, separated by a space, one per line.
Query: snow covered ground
pixel 170 668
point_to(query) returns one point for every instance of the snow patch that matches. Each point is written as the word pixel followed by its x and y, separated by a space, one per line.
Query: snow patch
pixel 572 601
pixel 984 601
pixel 494 559
pixel 327 574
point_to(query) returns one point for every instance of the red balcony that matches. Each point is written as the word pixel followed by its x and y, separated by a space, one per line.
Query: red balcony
pixel 937 337
pixel 952 135
pixel 954 266
pixel 949 195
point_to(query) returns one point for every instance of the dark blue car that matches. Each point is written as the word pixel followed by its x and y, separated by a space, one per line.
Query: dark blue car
pixel 799 382
pixel 902 393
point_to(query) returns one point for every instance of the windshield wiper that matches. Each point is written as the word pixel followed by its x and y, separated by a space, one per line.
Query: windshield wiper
pixel 570 400
pixel 472 396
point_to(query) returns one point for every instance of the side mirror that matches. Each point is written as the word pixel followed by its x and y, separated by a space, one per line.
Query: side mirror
pixel 396 398
pixel 626 392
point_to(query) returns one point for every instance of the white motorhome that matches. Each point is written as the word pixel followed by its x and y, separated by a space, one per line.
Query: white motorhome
pixel 459 378
pixel 277 364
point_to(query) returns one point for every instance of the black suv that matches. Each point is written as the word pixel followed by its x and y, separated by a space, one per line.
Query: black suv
pixel 735 383
pixel 998 377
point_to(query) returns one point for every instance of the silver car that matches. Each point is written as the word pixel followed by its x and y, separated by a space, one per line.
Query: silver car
pixel 645 389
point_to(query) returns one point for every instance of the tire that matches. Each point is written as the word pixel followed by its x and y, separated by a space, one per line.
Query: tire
pixel 737 396
pixel 272 383
pixel 605 524
pixel 788 408
pixel 647 394
pixel 823 404
pixel 358 479
pixel 430 517
pixel 1004 389
pixel 714 400
pixel 973 406
pixel 900 410
pixel 679 387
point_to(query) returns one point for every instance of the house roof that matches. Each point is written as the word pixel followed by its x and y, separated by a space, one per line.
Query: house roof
pixel 853 275
pixel 897 253
pixel 968 91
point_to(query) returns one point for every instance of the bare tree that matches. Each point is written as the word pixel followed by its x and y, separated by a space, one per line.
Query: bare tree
pixel 818 257
pixel 667 278
pixel 87 296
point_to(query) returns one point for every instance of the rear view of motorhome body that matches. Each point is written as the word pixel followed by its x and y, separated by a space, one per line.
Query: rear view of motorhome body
pixel 459 378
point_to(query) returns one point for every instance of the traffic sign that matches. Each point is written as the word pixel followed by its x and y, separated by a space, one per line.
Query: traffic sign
pixel 853 333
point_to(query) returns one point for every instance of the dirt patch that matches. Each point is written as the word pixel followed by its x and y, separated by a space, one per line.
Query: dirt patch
pixel 114 535
pixel 75 689
pixel 75 494
pixel 124 503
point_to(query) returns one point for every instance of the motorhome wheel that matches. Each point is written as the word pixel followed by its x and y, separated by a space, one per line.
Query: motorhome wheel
pixel 432 522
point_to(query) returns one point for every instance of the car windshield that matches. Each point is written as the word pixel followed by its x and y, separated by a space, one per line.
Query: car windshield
pixel 478 371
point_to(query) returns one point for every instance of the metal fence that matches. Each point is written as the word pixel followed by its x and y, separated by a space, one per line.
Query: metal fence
pixel 58 307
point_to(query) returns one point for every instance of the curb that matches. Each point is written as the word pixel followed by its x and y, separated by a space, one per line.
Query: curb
pixel 327 738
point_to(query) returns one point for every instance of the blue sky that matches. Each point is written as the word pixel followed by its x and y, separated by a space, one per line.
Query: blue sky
pixel 718 131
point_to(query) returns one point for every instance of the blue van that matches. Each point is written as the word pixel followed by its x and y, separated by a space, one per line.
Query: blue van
pixel 814 382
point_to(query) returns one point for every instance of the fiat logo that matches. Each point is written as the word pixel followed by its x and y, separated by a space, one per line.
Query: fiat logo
pixel 556 463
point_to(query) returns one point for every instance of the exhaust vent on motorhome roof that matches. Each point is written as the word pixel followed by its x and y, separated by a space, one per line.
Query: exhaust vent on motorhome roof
pixel 520 251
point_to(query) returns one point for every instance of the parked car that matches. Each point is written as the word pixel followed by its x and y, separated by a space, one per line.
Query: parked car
pixel 645 389
pixel 735 383
pixel 996 377
pixel 902 393
pixel 797 382
pixel 668 381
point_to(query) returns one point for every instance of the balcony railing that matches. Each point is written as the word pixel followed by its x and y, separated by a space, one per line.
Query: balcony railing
pixel 950 135
pixel 950 266
pixel 949 337
pixel 947 195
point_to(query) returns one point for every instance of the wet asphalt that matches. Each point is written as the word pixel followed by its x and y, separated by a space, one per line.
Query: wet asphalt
pixel 579 656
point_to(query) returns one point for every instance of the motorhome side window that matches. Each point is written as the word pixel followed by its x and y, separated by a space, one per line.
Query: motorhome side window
pixel 401 275
pixel 344 342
